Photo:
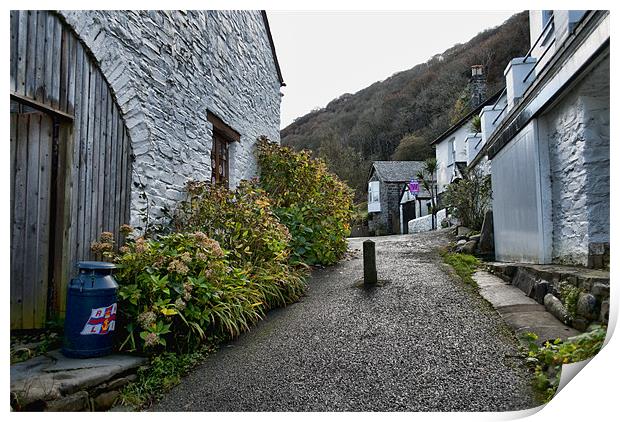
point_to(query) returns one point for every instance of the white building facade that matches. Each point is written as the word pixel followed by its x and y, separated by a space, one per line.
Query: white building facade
pixel 549 148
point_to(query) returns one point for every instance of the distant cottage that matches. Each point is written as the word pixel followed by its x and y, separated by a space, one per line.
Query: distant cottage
pixel 111 113
pixel 387 187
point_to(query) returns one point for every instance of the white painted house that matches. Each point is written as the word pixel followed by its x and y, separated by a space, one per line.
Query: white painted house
pixel 460 144
pixel 548 147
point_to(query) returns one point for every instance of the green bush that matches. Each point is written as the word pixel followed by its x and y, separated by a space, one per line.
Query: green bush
pixel 360 214
pixel 223 268
pixel 546 361
pixel 469 198
pixel 178 289
pixel 313 203
pixel 243 222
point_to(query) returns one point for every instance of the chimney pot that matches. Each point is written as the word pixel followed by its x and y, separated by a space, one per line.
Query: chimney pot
pixel 478 85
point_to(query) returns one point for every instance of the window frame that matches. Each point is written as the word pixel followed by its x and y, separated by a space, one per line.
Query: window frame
pixel 223 136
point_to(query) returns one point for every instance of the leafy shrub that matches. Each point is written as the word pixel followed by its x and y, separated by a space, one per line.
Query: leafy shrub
pixel 177 289
pixel 547 361
pixel 243 222
pixel 164 372
pixel 360 214
pixel 570 296
pixel 469 198
pixel 313 203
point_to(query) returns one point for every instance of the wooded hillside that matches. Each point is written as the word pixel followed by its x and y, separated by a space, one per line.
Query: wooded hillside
pixel 397 118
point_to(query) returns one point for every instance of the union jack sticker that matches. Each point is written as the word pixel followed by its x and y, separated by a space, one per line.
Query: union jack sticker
pixel 101 321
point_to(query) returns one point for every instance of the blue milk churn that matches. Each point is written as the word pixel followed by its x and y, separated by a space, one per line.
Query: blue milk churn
pixel 91 311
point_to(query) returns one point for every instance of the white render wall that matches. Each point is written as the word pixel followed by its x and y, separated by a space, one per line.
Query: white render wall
pixel 425 224
pixel 166 68
pixel 442 151
pixel 578 135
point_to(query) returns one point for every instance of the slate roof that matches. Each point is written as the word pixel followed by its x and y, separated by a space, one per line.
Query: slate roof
pixel 397 171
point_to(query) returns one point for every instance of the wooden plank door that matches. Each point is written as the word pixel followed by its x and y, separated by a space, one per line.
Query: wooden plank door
pixel 31 152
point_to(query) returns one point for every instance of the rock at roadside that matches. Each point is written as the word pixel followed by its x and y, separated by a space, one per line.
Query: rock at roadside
pixel 487 245
pixel 587 306
pixel 556 308
pixel 469 247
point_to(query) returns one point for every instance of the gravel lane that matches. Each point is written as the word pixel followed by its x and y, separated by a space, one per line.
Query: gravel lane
pixel 421 342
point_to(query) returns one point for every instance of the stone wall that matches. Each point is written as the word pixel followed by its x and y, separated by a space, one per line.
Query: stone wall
pixel 166 68
pixel 384 222
pixel 425 224
pixel 578 131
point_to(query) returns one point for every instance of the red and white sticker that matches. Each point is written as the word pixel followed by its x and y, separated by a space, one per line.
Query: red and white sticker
pixel 101 321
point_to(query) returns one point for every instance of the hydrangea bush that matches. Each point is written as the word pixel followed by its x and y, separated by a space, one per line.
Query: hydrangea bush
pixel 313 203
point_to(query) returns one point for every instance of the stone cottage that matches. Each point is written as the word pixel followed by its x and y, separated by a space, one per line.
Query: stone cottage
pixel 386 182
pixel 548 146
pixel 111 113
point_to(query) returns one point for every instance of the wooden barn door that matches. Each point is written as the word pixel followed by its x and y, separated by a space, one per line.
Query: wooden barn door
pixel 32 192
pixel 60 202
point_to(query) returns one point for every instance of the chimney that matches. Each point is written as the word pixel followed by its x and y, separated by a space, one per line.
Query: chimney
pixel 477 85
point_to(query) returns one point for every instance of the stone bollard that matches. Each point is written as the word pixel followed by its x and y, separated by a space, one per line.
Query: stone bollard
pixel 370 263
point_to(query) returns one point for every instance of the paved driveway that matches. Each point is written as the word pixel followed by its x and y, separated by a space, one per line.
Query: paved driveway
pixel 422 342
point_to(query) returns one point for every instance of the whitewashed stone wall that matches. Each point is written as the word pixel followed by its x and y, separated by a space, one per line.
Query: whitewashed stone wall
pixel 578 130
pixel 425 224
pixel 166 69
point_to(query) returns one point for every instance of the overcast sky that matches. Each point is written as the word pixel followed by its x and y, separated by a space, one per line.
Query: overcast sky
pixel 326 54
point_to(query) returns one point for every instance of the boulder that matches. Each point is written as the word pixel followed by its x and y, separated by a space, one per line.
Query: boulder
pixel 105 401
pixel 604 316
pixel 587 306
pixel 540 291
pixel 554 306
pixel 469 247
pixel 72 403
pixel 580 324
pixel 487 243
pixel 525 281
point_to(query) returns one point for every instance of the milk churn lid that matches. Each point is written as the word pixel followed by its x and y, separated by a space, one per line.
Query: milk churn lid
pixel 96 265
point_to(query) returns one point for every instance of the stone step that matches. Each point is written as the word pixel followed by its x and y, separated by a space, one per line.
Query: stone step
pixel 55 382
pixel 545 283
pixel 522 313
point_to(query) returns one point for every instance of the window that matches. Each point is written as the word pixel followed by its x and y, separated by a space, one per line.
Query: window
pixel 374 203
pixel 451 152
pixel 546 17
pixel 223 135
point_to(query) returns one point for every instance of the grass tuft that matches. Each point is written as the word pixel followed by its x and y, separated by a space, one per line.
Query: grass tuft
pixel 464 265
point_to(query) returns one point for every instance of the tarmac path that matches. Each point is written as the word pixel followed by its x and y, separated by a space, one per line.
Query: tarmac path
pixel 424 341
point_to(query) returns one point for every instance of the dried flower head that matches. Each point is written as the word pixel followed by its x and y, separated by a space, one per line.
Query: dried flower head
pixel 179 304
pixel 141 245
pixel 106 237
pixel 151 340
pixel 186 257
pixel 146 319
pixel 178 267
pixel 124 249
pixel 126 229
pixel 159 262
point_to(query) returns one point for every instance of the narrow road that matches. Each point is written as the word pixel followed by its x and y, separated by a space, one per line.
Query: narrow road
pixel 422 342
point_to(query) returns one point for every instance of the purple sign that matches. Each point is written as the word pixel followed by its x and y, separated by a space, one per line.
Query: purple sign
pixel 414 187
